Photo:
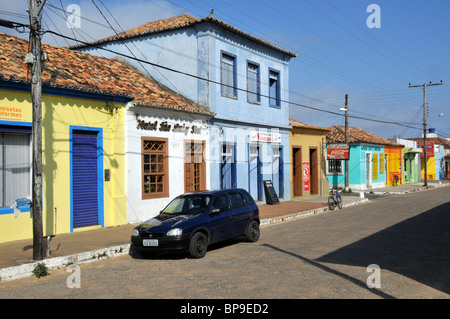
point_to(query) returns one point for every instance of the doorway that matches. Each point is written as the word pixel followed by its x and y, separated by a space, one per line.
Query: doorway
pixel 86 177
pixel 369 170
pixel 313 171
pixel 447 173
pixel 297 171
pixel 194 166
pixel 228 167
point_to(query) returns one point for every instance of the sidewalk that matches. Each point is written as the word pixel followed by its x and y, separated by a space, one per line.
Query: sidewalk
pixel 92 245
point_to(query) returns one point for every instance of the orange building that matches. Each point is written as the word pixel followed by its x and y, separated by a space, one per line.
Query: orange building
pixel 393 165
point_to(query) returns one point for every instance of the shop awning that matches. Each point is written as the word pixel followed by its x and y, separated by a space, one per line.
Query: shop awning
pixel 412 150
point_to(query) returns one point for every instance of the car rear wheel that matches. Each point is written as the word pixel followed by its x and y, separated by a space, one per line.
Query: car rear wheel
pixel 198 245
pixel 253 231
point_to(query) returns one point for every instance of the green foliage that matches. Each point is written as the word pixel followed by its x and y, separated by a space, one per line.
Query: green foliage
pixel 40 270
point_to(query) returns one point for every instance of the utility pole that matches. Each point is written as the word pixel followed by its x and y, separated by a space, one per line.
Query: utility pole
pixel 34 10
pixel 425 125
pixel 346 142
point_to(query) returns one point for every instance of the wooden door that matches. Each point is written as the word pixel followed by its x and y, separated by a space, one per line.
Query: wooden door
pixel 194 167
pixel 297 173
pixel 313 171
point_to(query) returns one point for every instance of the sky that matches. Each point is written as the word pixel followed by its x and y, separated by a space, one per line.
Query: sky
pixel 344 47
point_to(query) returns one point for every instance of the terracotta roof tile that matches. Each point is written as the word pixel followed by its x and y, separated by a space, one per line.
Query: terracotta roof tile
pixel 178 22
pixel 296 123
pixel 435 140
pixel 85 72
pixel 355 135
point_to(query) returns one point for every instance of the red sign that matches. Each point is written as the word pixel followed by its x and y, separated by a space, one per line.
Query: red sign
pixel 430 149
pixel 338 151
pixel 306 175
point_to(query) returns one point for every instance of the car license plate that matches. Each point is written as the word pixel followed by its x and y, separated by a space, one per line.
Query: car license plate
pixel 150 242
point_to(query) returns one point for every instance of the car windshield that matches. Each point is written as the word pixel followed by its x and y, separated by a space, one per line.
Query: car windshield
pixel 188 204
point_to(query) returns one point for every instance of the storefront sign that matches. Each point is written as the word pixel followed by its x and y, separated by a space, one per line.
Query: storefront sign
pixel 165 127
pixel 10 113
pixel 306 175
pixel 430 149
pixel 338 151
pixel 265 137
pixel 370 148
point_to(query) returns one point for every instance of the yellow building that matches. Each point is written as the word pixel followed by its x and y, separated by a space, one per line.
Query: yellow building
pixel 68 196
pixel 393 165
pixel 83 148
pixel 84 101
pixel 307 169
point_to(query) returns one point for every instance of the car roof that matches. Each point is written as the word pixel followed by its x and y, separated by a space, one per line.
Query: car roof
pixel 212 192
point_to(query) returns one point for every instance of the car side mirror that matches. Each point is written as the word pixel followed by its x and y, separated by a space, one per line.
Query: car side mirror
pixel 219 210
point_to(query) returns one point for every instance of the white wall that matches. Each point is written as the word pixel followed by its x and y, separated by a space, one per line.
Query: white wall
pixel 139 209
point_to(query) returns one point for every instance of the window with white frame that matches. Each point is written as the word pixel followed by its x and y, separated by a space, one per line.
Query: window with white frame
pixel 228 74
pixel 15 167
pixel 334 166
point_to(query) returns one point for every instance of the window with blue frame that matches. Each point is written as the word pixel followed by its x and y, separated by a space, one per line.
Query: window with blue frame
pixel 228 74
pixel 274 88
pixel 253 83
pixel 15 164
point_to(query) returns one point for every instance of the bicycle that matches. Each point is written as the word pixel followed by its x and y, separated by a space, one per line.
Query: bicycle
pixel 334 200
pixel 395 181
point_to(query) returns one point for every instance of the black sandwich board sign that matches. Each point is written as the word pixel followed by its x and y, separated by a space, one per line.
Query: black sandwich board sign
pixel 271 195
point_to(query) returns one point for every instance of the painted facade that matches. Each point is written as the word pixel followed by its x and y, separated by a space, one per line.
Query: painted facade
pixel 373 161
pixel 394 169
pixel 63 117
pixel 411 161
pixel 307 154
pixel 165 149
pixel 438 164
pixel 100 141
pixel 366 168
pixel 242 79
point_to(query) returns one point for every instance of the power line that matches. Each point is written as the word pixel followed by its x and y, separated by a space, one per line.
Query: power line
pixel 239 89
pixel 219 83
pixel 311 61
pixel 123 42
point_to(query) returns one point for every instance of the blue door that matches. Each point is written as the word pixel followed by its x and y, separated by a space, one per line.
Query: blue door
pixel 228 167
pixel 85 188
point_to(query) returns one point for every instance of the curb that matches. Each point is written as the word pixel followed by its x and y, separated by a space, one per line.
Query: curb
pixel 26 270
pixel 268 221
pixel 412 190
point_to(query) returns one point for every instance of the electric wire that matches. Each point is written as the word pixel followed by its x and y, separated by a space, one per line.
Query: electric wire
pixel 219 83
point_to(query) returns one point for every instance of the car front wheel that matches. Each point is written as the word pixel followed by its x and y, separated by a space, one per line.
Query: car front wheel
pixel 253 231
pixel 198 245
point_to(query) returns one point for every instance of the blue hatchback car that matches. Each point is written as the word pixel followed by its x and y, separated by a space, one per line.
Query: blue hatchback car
pixel 192 221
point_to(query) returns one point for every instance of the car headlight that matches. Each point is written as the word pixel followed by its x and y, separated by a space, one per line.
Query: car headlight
pixel 175 232
pixel 135 232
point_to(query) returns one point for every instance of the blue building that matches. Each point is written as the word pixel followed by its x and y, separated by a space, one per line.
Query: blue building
pixel 372 159
pixel 243 79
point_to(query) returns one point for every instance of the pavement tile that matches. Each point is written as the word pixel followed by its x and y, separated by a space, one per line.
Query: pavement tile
pixel 88 245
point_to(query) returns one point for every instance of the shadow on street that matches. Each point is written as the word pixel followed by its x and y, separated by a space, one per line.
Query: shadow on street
pixel 418 248
pixel 333 271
